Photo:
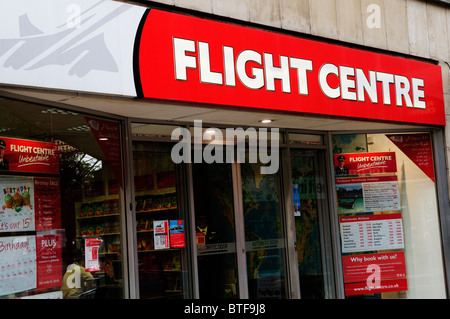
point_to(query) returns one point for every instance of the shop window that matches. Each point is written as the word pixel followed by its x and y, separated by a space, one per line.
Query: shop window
pixel 160 223
pixel 60 213
pixel 387 209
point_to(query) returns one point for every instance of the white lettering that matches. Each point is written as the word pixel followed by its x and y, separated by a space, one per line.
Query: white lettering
pixel 326 70
pixel 273 73
pixel 302 66
pixel 257 70
pixel 228 61
pixel 256 81
pixel 183 61
pixel 346 83
pixel 402 91
pixel 206 75
pixel 363 85
pixel 235 140
pixel 417 93
pixel 386 79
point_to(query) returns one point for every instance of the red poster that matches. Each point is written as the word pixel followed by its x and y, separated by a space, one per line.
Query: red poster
pixel 418 148
pixel 362 288
pixel 374 273
pixel 48 260
pixel 47 201
pixel 29 156
pixel 364 163
pixel 176 232
pixel 184 58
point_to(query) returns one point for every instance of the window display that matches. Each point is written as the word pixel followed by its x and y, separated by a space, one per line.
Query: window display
pixel 60 188
pixel 388 215
pixel 159 222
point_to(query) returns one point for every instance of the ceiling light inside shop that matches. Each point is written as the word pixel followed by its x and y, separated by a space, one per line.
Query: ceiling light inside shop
pixel 58 111
pixel 84 128
pixel 210 131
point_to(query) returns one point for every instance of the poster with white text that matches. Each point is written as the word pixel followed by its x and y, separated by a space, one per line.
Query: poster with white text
pixel 49 260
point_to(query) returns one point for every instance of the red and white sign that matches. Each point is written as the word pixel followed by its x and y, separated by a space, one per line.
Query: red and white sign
pixel 368 163
pixel 30 156
pixel 185 58
pixel 418 148
pixel 371 232
pixel 49 262
pixel 177 233
pixel 47 203
pixel 92 261
pixel 374 273
pixel 161 234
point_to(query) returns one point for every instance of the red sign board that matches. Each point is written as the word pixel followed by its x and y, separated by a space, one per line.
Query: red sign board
pixel 374 273
pixel 391 265
pixel 49 260
pixel 47 202
pixel 365 163
pixel 183 58
pixel 29 156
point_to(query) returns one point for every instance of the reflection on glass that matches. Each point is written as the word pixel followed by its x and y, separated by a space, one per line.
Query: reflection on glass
pixel 263 233
pixel 215 231
pixel 306 188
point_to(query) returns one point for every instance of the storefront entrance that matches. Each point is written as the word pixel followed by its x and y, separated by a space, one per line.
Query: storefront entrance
pixel 312 224
pixel 239 231
pixel 246 234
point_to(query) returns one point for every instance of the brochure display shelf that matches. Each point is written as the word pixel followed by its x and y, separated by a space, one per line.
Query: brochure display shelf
pixel 99 217
pixel 156 264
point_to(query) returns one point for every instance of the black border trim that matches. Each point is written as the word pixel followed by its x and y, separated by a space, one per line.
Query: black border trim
pixel 137 44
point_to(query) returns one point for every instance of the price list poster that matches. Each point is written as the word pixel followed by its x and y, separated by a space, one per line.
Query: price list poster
pixel 370 220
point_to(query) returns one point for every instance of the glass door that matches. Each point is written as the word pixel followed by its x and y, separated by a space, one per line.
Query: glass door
pixel 215 231
pixel 311 217
pixel 264 234
pixel 239 232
